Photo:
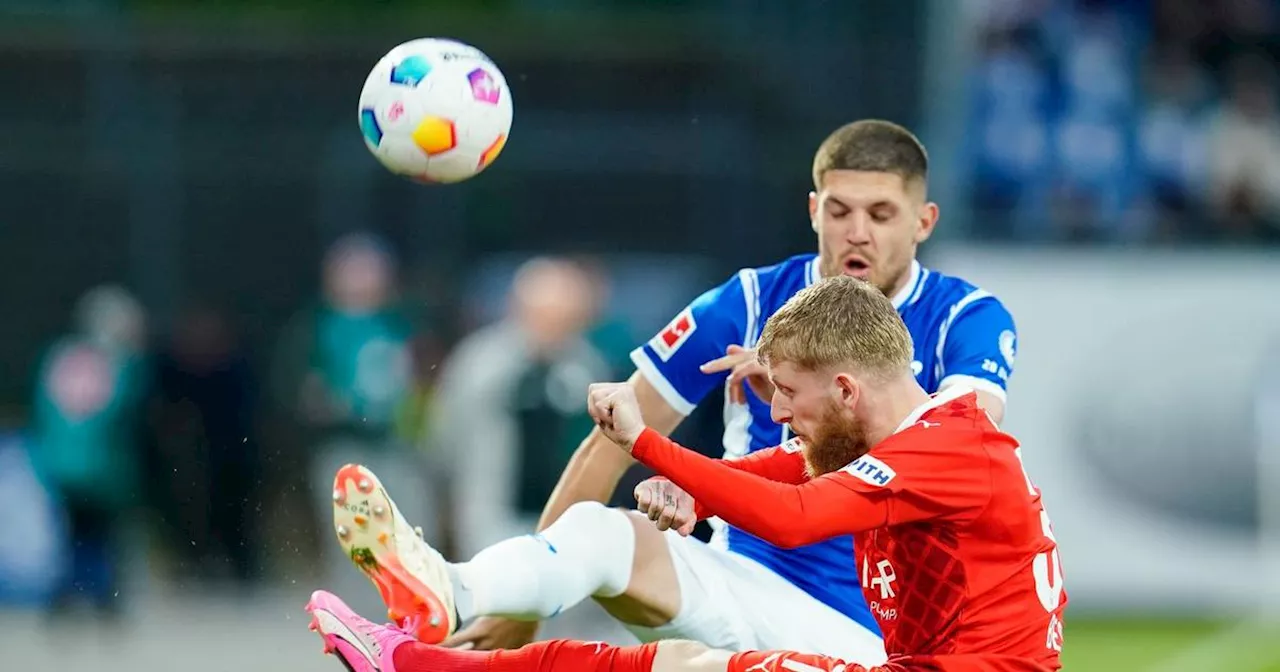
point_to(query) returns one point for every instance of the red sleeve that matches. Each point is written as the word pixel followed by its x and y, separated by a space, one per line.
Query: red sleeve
pixel 784 514
pixel 782 464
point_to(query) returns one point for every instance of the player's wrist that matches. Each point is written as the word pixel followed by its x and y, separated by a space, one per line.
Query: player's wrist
pixel 638 444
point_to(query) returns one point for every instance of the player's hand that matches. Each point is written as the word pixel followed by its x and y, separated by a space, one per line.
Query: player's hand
pixel 743 368
pixel 614 408
pixel 491 632
pixel 667 504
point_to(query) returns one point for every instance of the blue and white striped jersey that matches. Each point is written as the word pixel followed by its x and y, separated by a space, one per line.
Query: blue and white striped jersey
pixel 963 335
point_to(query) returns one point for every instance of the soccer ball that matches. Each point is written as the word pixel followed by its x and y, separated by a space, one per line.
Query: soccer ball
pixel 435 110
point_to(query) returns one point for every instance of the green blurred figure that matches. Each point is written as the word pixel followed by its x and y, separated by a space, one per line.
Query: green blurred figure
pixel 349 366
pixel 85 441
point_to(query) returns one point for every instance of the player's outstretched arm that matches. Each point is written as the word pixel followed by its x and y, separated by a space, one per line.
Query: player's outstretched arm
pixel 784 514
pixel 670 507
pixel 597 465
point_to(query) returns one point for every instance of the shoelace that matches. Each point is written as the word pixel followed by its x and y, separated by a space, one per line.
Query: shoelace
pixel 410 625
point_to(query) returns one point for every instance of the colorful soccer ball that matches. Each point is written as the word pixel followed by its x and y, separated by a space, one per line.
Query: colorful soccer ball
pixel 435 110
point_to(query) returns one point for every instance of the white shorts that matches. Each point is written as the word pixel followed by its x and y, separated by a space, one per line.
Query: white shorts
pixel 732 602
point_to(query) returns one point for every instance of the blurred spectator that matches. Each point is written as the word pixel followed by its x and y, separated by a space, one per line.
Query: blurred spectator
pixel 85 443
pixel 1244 140
pixel 608 332
pixel 1009 148
pixel 1095 182
pixel 348 365
pixel 1173 140
pixel 511 404
pixel 206 464
pixel 1065 146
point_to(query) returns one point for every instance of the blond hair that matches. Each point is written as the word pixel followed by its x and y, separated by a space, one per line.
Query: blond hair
pixel 836 322
pixel 874 146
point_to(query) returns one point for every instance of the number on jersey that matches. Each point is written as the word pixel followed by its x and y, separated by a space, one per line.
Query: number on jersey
pixel 1046 568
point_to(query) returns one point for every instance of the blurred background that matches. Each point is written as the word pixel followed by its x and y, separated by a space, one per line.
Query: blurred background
pixel 213 295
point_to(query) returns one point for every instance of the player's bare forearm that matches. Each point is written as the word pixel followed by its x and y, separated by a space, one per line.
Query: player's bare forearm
pixel 597 465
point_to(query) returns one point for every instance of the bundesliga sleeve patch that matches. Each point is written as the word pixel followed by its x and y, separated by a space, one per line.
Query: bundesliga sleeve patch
pixel 674 335
pixel 1008 346
pixel 871 470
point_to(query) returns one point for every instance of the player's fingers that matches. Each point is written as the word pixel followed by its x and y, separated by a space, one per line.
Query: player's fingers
pixel 641 493
pixel 734 356
pixel 686 528
pixel 668 512
pixel 719 364
pixel 734 386
pixel 684 512
pixel 462 639
pixel 655 504
pixel 649 490
pixel 651 505
pixel 681 519
pixel 743 372
pixel 737 393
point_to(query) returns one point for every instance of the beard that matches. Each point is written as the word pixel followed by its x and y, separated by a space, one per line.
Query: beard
pixel 837 441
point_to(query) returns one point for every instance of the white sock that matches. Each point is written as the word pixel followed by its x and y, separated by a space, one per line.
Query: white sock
pixel 588 551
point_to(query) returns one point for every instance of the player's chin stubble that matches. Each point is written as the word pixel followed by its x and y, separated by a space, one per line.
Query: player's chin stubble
pixel 837 441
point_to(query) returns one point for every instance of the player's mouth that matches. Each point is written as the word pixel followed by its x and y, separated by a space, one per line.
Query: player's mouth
pixel 857 267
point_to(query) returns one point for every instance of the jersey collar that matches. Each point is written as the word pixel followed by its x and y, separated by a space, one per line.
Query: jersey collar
pixel 948 395
pixel 908 294
pixel 909 290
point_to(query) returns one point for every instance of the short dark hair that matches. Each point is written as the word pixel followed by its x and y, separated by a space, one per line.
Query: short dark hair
pixel 872 145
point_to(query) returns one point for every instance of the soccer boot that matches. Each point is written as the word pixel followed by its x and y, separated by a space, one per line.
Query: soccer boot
pixel 361 645
pixel 412 577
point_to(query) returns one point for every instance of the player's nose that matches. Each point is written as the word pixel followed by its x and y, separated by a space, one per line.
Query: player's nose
pixel 858 231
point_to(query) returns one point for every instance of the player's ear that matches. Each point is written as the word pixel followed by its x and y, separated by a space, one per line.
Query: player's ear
pixel 813 211
pixel 848 389
pixel 929 214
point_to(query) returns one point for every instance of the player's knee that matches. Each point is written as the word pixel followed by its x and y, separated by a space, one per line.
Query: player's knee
pixel 652 596
pixel 678 655
pixel 584 512
pixel 605 522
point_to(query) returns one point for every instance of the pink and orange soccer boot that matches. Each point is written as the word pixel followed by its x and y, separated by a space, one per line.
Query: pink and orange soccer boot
pixel 361 645
pixel 412 577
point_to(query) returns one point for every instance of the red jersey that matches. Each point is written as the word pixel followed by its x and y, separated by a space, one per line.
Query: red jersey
pixel 954 550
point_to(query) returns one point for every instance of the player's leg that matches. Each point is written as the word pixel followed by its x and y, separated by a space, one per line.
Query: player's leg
pixel 366 647
pixel 589 551
pixel 721 597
